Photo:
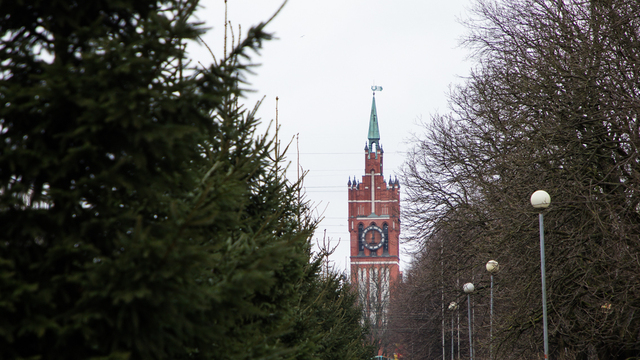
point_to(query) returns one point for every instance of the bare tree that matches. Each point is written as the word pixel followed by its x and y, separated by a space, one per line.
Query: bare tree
pixel 374 295
pixel 553 105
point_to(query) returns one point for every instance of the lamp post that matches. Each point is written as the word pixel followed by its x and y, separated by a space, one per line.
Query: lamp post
pixel 468 288
pixel 541 200
pixel 452 307
pixel 492 267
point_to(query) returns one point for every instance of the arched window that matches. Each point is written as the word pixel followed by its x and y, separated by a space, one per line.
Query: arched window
pixel 385 246
pixel 360 243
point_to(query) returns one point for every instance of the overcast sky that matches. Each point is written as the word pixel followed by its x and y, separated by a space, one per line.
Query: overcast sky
pixel 327 56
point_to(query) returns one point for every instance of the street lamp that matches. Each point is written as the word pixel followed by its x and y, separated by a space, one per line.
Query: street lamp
pixel 492 267
pixel 541 200
pixel 452 307
pixel 468 288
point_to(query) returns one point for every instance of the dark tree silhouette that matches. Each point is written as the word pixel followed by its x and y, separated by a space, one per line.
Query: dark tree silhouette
pixel 553 104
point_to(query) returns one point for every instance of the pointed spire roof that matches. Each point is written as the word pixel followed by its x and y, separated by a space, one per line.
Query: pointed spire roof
pixel 374 132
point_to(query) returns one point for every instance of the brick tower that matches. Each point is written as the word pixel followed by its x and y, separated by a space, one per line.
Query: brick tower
pixel 374 227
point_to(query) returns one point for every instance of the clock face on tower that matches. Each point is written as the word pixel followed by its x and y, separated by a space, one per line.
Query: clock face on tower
pixel 373 237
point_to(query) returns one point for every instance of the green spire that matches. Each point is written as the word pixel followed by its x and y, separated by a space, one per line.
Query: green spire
pixel 374 133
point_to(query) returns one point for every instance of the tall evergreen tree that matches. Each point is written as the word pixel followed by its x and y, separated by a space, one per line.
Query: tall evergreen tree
pixel 328 321
pixel 142 215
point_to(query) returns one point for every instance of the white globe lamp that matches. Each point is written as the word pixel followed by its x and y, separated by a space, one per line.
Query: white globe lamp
pixel 468 288
pixel 540 199
pixel 492 266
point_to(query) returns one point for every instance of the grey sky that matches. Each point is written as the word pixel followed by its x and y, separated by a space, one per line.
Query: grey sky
pixel 327 56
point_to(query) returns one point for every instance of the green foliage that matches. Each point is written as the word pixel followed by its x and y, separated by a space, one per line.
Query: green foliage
pixel 328 322
pixel 96 149
pixel 143 217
